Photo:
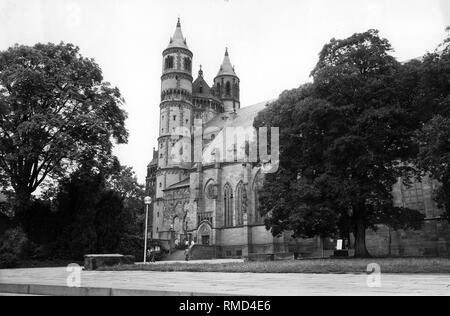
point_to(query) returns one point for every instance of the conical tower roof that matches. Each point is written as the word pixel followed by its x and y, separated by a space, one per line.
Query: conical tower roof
pixel 178 40
pixel 226 68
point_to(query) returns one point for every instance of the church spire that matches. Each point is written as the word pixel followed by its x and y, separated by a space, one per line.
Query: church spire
pixel 226 68
pixel 178 40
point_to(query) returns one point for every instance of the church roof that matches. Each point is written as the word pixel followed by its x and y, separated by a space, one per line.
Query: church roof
pixel 243 118
pixel 226 68
pixel 178 40
pixel 182 184
pixel 200 82
pixel 154 161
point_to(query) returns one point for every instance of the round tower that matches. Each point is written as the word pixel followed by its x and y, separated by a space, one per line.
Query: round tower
pixel 227 85
pixel 174 142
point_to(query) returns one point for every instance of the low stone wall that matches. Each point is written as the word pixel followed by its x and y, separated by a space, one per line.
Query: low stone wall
pixel 199 252
pixel 258 257
pixel 433 240
pixel 93 262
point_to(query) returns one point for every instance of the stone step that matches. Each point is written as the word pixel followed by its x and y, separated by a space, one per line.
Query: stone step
pixel 178 255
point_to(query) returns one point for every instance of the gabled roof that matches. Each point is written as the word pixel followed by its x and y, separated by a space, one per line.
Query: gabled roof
pixel 243 119
pixel 182 184
pixel 200 82
pixel 178 40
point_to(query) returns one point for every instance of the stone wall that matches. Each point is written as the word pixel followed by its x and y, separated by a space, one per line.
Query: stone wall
pixel 199 252
pixel 433 240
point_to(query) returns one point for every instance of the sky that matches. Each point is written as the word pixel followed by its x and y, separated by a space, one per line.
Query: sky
pixel 274 44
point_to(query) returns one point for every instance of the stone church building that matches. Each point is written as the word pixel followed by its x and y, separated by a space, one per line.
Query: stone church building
pixel 214 202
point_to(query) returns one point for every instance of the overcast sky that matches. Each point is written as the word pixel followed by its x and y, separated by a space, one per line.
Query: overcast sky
pixel 273 44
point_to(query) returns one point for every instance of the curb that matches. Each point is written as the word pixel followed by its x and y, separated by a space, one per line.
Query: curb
pixel 55 290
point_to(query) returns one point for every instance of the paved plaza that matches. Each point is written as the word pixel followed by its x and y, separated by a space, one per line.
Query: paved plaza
pixel 53 281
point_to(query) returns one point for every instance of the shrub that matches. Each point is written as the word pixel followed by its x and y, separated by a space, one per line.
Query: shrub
pixel 8 261
pixel 13 246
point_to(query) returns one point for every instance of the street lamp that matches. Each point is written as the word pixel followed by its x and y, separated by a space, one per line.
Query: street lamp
pixel 148 202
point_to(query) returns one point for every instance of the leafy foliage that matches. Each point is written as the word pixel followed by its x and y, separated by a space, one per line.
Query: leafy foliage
pixel 434 156
pixel 55 110
pixel 345 141
pixel 13 246
pixel 86 216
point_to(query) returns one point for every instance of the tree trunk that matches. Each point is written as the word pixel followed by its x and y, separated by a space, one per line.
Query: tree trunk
pixel 22 201
pixel 360 233
pixel 390 242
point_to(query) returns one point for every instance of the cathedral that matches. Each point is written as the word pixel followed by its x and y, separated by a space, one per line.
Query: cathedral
pixel 214 202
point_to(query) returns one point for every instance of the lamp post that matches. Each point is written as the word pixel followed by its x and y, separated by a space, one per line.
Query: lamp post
pixel 148 202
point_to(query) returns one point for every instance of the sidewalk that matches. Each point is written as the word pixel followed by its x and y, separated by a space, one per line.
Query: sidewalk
pixel 52 281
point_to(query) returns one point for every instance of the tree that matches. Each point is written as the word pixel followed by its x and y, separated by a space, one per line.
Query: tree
pixel 431 100
pixel 347 139
pixel 89 213
pixel 124 182
pixel 55 110
pixel 434 156
pixel 91 218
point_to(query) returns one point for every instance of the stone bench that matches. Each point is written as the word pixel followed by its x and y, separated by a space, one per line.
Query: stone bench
pixel 93 262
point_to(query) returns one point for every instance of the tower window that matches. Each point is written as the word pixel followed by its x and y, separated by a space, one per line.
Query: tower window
pixel 187 64
pixel 169 62
pixel 174 117
pixel 200 89
pixel 187 121
pixel 228 89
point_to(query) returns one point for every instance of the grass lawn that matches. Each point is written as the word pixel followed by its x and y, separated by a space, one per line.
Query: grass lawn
pixel 323 266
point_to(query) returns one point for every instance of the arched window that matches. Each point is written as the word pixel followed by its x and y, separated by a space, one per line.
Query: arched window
pixel 219 92
pixel 257 185
pixel 187 64
pixel 236 90
pixel 228 205
pixel 200 89
pixel 239 204
pixel 169 62
pixel 228 88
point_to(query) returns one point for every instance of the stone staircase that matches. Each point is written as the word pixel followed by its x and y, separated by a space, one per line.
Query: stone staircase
pixel 177 255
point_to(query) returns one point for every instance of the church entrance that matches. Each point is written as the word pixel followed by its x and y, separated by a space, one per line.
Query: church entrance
pixel 204 234
pixel 205 240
